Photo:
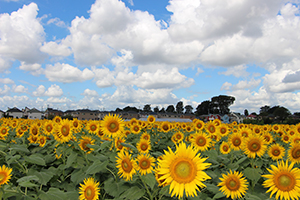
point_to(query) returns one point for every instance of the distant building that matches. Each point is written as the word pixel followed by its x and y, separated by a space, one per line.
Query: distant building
pixel 53 112
pixel 34 114
pixel 1 114
pixel 14 112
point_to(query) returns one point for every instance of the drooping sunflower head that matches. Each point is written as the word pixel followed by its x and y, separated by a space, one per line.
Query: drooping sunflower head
pixel 276 151
pixel 183 170
pixel 5 174
pixel 254 145
pixel 233 184
pixel 112 125
pixel 144 164
pixel 125 165
pixel 284 180
pixel 89 190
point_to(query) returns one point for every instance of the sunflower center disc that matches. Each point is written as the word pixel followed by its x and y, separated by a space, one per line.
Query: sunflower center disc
pixel 255 146
pixel 296 153
pixel 237 142
pixel 49 128
pixel 93 127
pixel 225 148
pixel 276 152
pixel 183 169
pixel 285 181
pixel 3 131
pixel 144 164
pixel 64 131
pixel 144 147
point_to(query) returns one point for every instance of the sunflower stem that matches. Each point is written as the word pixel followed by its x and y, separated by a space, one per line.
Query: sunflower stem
pixel 147 189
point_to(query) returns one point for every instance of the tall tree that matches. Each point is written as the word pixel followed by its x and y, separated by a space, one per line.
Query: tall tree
pixel 203 108
pixel 246 112
pixel 188 109
pixel 156 109
pixel 147 108
pixel 170 108
pixel 220 104
pixel 281 112
pixel 162 110
pixel 264 110
pixel 179 107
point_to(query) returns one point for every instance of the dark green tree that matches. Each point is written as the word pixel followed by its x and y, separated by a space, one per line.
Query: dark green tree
pixel 246 113
pixel 156 109
pixel 170 109
pixel 179 107
pixel 188 109
pixel 220 104
pixel 203 108
pixel 162 110
pixel 281 112
pixel 147 108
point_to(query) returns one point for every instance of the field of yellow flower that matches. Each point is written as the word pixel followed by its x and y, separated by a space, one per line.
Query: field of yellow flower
pixel 117 159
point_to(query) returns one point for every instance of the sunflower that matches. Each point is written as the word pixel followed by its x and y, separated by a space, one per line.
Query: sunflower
pixel 297 128
pixel 268 137
pixel 257 129
pixel 85 140
pixel 295 139
pixel 64 131
pixel 235 141
pixel 211 127
pixel 112 125
pixel 201 141
pixel 254 145
pixel 222 130
pixel 183 170
pixel 276 151
pixel 5 174
pixel 233 184
pixel 146 136
pixel 283 180
pixel 144 164
pixel 151 119
pixel 76 125
pixel 89 190
pixel 33 139
pixel 125 165
pixel 143 146
pixel 225 148
pixel 276 128
pixel 135 129
pixel 34 130
pixel 48 127
pixel 285 138
pixel 245 132
pixel 199 124
pixel 165 126
pixel 294 153
pixel 118 142
pixel 178 137
pixel 19 132
pixel 92 126
pixel 4 131
pixel 57 119
pixel 42 140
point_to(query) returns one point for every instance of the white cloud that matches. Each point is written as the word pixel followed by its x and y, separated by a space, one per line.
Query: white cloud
pixel 55 100
pixel 6 81
pixel 35 69
pixel 57 22
pixel 5 90
pixel 103 77
pixel 21 35
pixel 66 73
pixel 4 63
pixel 55 49
pixel 242 85
pixel 199 71
pixel 90 93
pixel 19 89
pixel 52 91
pixel 226 86
pixel 237 71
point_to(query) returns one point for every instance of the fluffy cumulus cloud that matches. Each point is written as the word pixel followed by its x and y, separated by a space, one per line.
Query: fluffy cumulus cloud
pixel 66 73
pixel 21 35
pixel 134 59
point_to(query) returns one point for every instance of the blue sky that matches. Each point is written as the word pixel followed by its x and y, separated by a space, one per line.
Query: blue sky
pixel 106 54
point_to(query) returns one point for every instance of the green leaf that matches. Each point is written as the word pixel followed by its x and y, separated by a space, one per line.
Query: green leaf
pixel 252 174
pixel 71 159
pixel 251 197
pixel 219 195
pixel 133 193
pixel 212 188
pixel 128 145
pixel 149 179
pixel 105 144
pixel 78 176
pixel 35 159
pixel 241 160
pixel 44 177
pixel 96 167
pixel 114 188
pixel 28 178
pixel 28 184
pixel 19 148
pixel 53 193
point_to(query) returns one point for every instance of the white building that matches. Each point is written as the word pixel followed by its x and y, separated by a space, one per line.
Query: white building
pixel 14 112
pixel 34 114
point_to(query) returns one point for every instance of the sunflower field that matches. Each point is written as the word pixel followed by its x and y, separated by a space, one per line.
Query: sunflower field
pixel 64 159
